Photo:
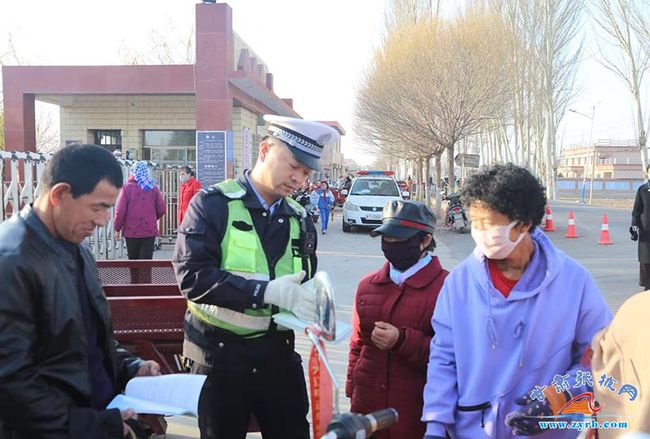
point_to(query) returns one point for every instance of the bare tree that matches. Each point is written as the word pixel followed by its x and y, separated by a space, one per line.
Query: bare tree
pixel 48 138
pixel 166 46
pixel 517 121
pixel 433 84
pixel 626 27
pixel 405 12
pixel 545 54
pixel 557 55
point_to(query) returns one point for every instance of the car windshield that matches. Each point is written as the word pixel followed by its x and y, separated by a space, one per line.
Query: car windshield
pixel 378 187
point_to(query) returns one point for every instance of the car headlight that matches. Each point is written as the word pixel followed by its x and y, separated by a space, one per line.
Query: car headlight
pixel 351 207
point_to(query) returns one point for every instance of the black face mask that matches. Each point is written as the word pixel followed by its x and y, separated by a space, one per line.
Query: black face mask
pixel 403 254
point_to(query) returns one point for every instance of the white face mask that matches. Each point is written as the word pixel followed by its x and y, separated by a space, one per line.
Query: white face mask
pixel 495 243
pixel 184 178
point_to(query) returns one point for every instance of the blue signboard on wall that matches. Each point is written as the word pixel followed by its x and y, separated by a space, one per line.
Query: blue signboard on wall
pixel 211 147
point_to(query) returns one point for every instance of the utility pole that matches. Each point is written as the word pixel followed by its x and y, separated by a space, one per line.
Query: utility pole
pixel 593 157
pixel 591 153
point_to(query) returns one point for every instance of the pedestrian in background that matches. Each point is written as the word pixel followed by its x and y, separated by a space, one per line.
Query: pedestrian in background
pixel 138 210
pixel 512 322
pixel 391 321
pixel 640 229
pixel 189 187
pixel 324 198
pixel 347 184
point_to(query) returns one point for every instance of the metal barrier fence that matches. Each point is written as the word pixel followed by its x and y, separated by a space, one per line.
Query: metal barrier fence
pixel 20 176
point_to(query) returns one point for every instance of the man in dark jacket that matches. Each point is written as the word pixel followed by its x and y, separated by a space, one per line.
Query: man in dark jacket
pixel 640 229
pixel 242 251
pixel 59 363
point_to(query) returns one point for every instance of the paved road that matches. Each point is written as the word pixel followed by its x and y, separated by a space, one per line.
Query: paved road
pixel 347 257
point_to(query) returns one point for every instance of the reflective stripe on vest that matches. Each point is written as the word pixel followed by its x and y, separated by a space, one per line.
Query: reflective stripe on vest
pixel 242 254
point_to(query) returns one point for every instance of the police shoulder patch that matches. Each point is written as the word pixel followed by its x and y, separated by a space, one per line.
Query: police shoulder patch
pixel 210 190
pixel 232 189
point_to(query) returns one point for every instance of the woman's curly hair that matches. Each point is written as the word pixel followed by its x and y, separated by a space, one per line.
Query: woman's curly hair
pixel 510 190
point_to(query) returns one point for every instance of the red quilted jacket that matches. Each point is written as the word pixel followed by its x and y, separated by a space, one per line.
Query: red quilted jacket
pixel 395 378
pixel 187 191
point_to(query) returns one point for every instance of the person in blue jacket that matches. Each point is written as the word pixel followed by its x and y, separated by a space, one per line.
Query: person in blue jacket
pixel 512 322
pixel 324 198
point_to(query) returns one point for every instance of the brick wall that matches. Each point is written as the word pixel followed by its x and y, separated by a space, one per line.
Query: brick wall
pixel 130 114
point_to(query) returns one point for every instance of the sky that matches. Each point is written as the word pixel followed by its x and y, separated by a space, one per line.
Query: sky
pixel 317 50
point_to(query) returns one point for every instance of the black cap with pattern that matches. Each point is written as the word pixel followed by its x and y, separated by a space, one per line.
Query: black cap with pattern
pixel 403 219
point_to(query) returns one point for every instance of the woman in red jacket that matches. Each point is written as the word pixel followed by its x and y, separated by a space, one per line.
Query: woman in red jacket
pixel 189 187
pixel 389 349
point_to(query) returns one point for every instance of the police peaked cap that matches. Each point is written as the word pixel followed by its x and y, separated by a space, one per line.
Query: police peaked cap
pixel 305 138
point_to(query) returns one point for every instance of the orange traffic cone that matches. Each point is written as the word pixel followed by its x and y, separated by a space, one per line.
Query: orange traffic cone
pixel 549 226
pixel 571 229
pixel 605 239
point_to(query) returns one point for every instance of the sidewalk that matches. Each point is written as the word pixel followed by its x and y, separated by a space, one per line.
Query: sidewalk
pixel 624 203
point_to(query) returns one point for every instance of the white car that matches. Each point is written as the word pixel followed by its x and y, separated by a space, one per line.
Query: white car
pixel 365 202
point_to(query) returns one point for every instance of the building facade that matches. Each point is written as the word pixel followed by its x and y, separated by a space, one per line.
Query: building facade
pixel 154 112
pixel 609 159
pixel 332 158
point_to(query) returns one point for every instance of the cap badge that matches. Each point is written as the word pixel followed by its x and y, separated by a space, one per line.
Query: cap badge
pixel 324 138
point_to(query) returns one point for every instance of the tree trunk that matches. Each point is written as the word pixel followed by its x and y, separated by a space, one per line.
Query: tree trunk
pixel 550 158
pixel 438 166
pixel 529 163
pixel 450 167
pixel 539 142
pixel 420 190
pixel 427 173
pixel 642 135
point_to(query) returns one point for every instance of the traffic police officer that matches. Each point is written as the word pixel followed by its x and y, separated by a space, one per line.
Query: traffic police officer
pixel 243 249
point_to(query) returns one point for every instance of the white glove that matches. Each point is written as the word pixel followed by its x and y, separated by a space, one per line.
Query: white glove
pixel 286 292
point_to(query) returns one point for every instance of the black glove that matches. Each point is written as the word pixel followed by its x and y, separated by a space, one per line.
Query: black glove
pixel 139 428
pixel 525 422
pixel 634 234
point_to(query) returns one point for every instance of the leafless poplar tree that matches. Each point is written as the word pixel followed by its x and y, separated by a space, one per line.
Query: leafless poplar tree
pixel 166 46
pixel 625 26
pixel 557 55
pixel 405 12
pixel 433 84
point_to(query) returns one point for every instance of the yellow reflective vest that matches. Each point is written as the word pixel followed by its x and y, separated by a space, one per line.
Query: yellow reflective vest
pixel 242 254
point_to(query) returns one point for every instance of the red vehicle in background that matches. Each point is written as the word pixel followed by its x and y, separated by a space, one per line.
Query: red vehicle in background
pixel 339 198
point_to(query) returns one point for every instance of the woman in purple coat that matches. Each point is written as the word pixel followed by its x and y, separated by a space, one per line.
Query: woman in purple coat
pixel 139 208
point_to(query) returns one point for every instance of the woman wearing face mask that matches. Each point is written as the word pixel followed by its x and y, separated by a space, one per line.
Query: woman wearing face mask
pixel 189 187
pixel 512 322
pixel 391 334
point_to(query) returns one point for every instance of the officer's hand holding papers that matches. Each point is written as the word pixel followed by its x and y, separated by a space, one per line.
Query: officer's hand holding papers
pixel 287 293
pixel 323 315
